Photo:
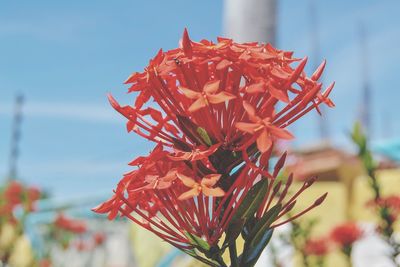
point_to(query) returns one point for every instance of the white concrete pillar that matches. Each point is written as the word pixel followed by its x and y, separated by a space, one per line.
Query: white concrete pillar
pixel 250 20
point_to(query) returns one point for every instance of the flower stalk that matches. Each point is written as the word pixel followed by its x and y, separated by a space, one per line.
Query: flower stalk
pixel 387 208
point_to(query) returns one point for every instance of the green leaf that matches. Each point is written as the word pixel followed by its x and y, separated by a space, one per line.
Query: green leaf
pixel 204 135
pixel 263 225
pixel 369 162
pixel 250 255
pixel 259 236
pixel 365 154
pixel 233 231
pixel 198 242
pixel 247 209
pixel 193 254
pixel 359 137
pixel 252 200
pixel 248 227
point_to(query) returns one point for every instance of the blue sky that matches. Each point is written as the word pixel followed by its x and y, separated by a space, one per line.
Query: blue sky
pixel 66 55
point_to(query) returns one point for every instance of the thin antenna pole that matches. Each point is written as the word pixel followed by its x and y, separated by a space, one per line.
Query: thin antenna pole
pixel 316 60
pixel 16 137
pixel 366 89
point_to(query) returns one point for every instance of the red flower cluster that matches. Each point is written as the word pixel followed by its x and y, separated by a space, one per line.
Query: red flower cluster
pixel 391 203
pixel 16 194
pixel 317 247
pixel 346 234
pixel 221 107
pixel 70 225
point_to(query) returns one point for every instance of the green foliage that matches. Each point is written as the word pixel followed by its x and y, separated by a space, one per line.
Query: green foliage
pixel 263 225
pixel 198 242
pixel 252 253
pixel 360 139
pixel 259 237
pixel 246 210
pixel 204 135
pixel 366 157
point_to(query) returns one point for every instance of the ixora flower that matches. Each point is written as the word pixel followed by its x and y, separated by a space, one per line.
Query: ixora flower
pixel 346 234
pixel 215 111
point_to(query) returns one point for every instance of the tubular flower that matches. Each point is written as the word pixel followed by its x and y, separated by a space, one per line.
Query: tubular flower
pixel 223 107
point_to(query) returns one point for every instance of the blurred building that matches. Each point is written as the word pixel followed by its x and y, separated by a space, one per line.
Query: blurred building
pixel 326 162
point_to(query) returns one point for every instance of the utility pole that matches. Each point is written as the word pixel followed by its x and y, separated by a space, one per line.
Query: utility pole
pixel 250 20
pixel 15 137
pixel 323 127
pixel 366 88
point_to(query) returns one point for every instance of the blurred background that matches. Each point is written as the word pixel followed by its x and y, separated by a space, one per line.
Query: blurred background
pixel 59 59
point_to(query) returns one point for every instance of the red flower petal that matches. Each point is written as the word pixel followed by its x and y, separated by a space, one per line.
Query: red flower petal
pixel 280 133
pixel 186 44
pixel 198 104
pixel 247 127
pixel 189 194
pixel 211 87
pixel 210 180
pixel 187 181
pixel 255 88
pixel 190 93
pixel 264 141
pixel 278 93
pixel 221 97
pixel 213 192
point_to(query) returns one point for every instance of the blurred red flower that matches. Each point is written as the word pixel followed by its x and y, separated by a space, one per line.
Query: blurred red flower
pixel 346 234
pixel 317 247
pixel 391 203
pixel 16 194
pixel 99 238
pixel 33 193
pixel 45 263
pixel 13 192
pixel 71 225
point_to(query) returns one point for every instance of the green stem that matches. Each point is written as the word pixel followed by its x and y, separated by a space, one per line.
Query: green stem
pixel 320 261
pixel 386 221
pixel 347 252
